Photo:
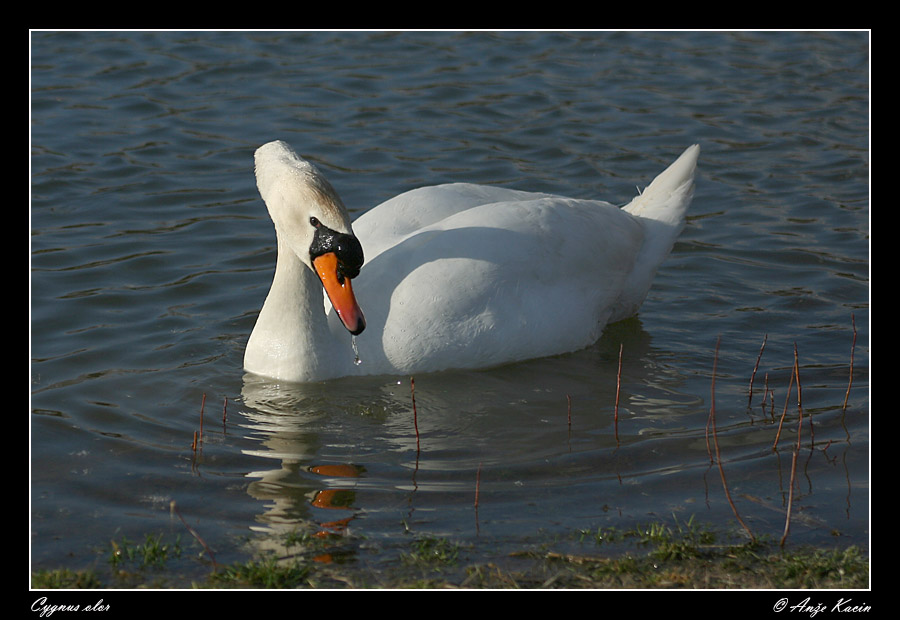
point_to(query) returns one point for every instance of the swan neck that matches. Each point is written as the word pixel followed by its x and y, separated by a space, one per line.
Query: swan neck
pixel 291 339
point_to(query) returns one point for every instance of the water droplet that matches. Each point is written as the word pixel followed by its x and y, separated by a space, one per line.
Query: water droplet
pixel 356 359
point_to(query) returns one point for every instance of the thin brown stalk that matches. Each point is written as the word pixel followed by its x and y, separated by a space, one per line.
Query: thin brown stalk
pixel 787 520
pixel 477 485
pixel 569 410
pixel 712 421
pixel 618 390
pixel 712 408
pixel 787 399
pixel 412 389
pixel 767 394
pixel 477 492
pixel 852 351
pixel 225 410
pixel 202 405
pixel 756 367
pixel 194 533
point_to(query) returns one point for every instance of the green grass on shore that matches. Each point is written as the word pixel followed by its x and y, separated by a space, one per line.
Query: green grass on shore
pixel 652 556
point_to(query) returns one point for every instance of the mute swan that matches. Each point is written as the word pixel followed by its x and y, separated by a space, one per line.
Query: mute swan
pixel 455 276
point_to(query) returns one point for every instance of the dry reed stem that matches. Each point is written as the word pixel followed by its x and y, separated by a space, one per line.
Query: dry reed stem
pixel 755 368
pixel 787 517
pixel 569 410
pixel 412 389
pixel 787 520
pixel 194 533
pixel 709 418
pixel 852 351
pixel 787 399
pixel 202 405
pixel 477 485
pixel 712 421
pixel 618 390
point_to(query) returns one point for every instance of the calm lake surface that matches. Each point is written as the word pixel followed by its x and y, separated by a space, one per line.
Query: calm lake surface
pixel 151 254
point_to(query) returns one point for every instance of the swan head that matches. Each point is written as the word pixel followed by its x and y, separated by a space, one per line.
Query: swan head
pixel 311 221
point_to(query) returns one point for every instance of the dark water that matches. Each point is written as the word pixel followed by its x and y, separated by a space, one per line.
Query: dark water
pixel 151 254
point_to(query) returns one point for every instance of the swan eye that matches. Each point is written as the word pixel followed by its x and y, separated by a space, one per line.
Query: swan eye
pixel 314 221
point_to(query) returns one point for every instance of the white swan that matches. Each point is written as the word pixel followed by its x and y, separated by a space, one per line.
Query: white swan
pixel 455 276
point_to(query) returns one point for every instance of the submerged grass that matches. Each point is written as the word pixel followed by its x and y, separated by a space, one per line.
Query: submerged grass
pixel 655 555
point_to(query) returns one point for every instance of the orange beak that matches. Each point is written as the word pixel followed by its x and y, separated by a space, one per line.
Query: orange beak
pixel 339 291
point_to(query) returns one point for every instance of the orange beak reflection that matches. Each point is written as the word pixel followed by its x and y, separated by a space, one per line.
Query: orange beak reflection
pixel 340 293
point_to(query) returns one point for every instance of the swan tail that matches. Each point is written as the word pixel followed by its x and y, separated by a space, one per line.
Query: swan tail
pixel 667 198
pixel 661 209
